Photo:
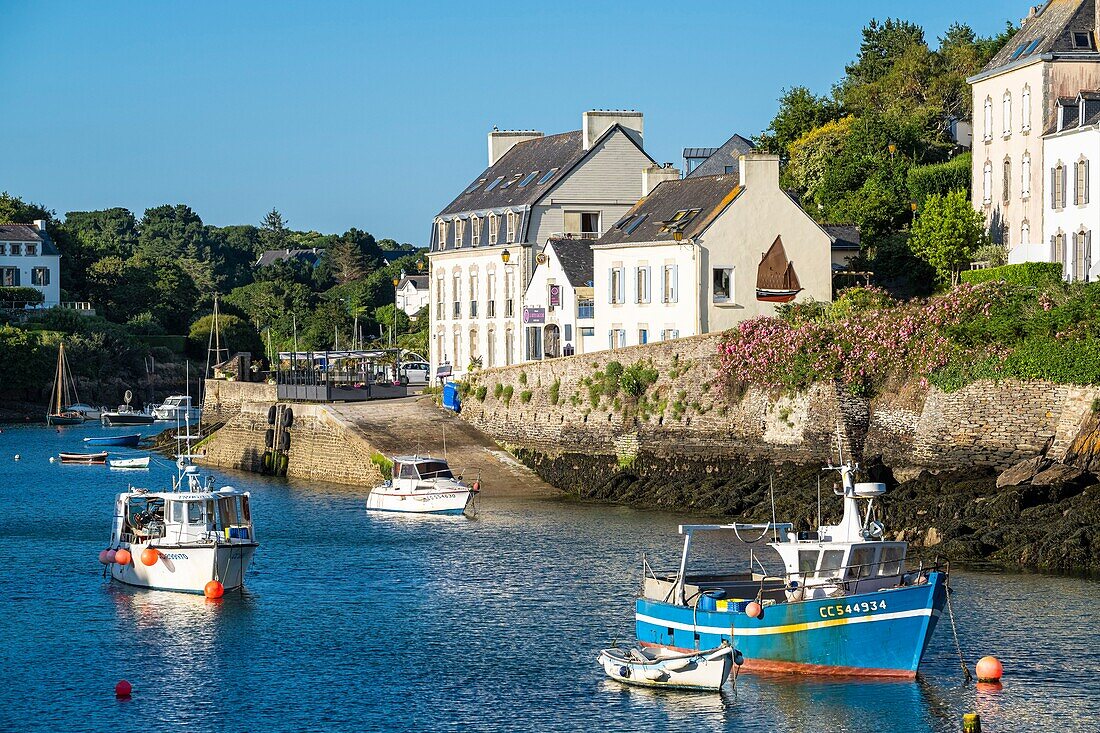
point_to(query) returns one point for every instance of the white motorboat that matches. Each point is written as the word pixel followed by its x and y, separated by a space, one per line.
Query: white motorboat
pixel 191 537
pixel 423 485
pixel 178 409
pixel 660 667
pixel 142 462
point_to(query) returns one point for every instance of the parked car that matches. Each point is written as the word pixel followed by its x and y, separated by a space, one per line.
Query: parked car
pixel 416 372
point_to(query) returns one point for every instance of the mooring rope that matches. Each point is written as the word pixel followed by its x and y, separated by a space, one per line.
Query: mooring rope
pixel 954 631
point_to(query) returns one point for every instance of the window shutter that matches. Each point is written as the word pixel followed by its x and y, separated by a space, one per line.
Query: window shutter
pixel 15 279
pixel 1054 188
pixel 673 291
pixel 1085 192
pixel 621 294
pixel 1053 249
pixel 661 282
pixel 1062 203
pixel 648 285
pixel 611 285
pixel 1087 259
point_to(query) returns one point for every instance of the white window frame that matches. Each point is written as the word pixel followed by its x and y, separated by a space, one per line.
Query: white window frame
pixel 1025 177
pixel 987 133
pixel 460 231
pixel 1025 232
pixel 494 227
pixel 1006 114
pixel 513 225
pixel 730 297
pixel 475 231
pixel 670 284
pixel 616 293
pixel 30 249
pixel 442 225
pixel 643 280
pixel 987 183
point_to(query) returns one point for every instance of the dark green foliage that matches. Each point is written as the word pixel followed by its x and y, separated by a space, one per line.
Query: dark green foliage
pixel 555 390
pixel 939 178
pixel 525 396
pixel 480 393
pixel 20 295
pixel 1038 274
pixel 498 390
pixel 506 395
pixel 637 378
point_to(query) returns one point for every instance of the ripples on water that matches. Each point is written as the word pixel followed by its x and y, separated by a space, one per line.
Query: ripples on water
pixel 357 621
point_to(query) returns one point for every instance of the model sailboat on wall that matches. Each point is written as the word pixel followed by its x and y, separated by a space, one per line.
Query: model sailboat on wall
pixel 64 389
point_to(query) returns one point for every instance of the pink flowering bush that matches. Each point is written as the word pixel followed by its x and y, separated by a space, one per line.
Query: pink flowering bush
pixel 865 338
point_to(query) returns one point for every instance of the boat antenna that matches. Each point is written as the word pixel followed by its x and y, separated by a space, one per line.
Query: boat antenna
pixel 771 490
pixel 819 501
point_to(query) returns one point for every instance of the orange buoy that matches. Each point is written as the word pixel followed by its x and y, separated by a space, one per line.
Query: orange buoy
pixel 989 669
pixel 149 556
pixel 123 689
pixel 754 610
pixel 477 486
pixel 122 557
pixel 107 556
pixel 213 589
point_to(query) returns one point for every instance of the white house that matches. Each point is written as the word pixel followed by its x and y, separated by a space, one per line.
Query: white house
pixel 701 254
pixel 28 257
pixel 1072 198
pixel 1053 55
pixel 558 305
pixel 484 243
pixel 412 294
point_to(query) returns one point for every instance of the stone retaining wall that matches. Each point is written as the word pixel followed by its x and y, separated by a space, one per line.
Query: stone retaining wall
pixel 688 414
pixel 223 400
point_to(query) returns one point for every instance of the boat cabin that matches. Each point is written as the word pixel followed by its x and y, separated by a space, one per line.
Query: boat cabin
pixel 222 516
pixel 420 468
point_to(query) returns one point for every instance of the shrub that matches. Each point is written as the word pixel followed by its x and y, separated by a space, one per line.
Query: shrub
pixel 939 178
pixel 555 390
pixel 385 465
pixel 498 390
pixel 506 396
pixel 637 378
pixel 1035 274
pixel 523 378
pixel 525 396
pixel 480 393
pixel 10 295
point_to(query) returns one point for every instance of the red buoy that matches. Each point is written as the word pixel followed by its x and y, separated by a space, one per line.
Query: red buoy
pixel 122 556
pixel 213 589
pixel 989 669
pixel 123 689
pixel 754 610
pixel 149 556
pixel 107 556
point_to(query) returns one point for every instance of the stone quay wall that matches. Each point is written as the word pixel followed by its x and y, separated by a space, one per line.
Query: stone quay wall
pixel 322 446
pixel 554 410
pixel 223 400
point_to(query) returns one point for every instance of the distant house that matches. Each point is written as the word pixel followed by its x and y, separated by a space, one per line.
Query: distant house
pixel 558 305
pixel 310 256
pixel 412 294
pixel 389 256
pixel 28 257
pixel 845 244
pixel 1072 201
pixel 700 254
pixel 716 161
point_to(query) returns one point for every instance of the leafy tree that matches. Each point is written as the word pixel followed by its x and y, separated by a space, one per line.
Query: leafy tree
pixel 236 333
pixel 946 233
pixel 273 231
pixel 169 232
pixel 384 314
pixel 799 113
pixel 106 233
pixel 13 210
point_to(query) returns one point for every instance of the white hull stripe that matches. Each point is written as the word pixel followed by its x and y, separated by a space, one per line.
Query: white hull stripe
pixel 788 628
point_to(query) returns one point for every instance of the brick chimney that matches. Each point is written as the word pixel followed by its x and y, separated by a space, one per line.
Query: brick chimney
pixel 596 122
pixel 655 174
pixel 501 141
pixel 759 169
pixel 40 224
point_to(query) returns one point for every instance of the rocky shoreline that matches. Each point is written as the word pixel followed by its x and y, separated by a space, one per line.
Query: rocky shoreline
pixel 1038 515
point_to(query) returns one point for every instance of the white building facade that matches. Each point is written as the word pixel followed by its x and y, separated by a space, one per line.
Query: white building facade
pixel 1072 197
pixel 413 294
pixel 28 258
pixel 558 305
pixel 701 254
pixel 484 244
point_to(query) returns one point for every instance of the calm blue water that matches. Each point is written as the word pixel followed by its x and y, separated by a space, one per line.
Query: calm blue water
pixel 354 621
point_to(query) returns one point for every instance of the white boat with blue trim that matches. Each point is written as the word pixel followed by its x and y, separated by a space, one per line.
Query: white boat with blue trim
pixel 423 485
pixel 657 667
pixel 844 603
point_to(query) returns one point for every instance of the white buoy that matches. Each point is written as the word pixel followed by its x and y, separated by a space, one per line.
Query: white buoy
pixel 52 459
pixel 17 456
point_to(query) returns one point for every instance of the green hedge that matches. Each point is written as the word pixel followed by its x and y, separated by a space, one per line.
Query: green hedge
pixel 1038 274
pixel 20 295
pixel 941 178
pixel 176 343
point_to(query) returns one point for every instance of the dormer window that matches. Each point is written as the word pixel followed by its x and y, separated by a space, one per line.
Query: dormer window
pixel 1084 40
pixel 513 225
pixel 442 234
pixel 475 230
pixel 15 248
pixel 31 250
pixel 460 232
pixel 494 228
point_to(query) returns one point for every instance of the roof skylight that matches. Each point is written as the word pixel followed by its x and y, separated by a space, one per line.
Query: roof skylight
pixel 548 175
pixel 1033 45
pixel 528 178
pixel 1016 54
pixel 510 181
pixel 634 223
pixel 494 184
pixel 474 185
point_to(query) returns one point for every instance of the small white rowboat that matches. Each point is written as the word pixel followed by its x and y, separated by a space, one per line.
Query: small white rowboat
pixel 660 667
pixel 130 463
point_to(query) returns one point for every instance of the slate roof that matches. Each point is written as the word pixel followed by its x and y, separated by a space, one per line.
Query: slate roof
pixel 392 255
pixel 709 194
pixel 420 282
pixel 727 155
pixel 561 151
pixel 1072 113
pixel 844 236
pixel 1050 31
pixel 575 256
pixel 28 233
pixel 271 256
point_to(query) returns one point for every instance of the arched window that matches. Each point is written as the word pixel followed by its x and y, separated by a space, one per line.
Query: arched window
pixel 1025 109
pixel 1006 180
pixel 442 234
pixel 1025 177
pixel 987 132
pixel 1025 232
pixel 1006 111
pixel 987 183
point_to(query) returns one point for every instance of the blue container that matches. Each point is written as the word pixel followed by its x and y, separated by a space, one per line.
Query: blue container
pixel 450 397
pixel 708 600
pixel 238 533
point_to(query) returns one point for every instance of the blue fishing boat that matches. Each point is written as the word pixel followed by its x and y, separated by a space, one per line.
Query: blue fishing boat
pixel 844 602
pixel 128 441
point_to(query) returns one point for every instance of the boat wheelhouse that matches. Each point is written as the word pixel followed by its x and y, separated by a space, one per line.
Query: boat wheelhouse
pixel 423 485
pixel 844 602
pixel 178 409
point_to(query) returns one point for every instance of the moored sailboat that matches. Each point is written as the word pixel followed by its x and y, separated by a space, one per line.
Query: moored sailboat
pixel 62 384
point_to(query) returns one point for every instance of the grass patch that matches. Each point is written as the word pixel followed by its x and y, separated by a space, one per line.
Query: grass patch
pixel 385 465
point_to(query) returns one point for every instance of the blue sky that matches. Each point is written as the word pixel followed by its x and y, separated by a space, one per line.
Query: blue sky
pixel 346 114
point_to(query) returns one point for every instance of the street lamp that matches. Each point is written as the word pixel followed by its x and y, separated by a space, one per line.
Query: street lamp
pixel 892 148
pixel 396 282
pixel 505 256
